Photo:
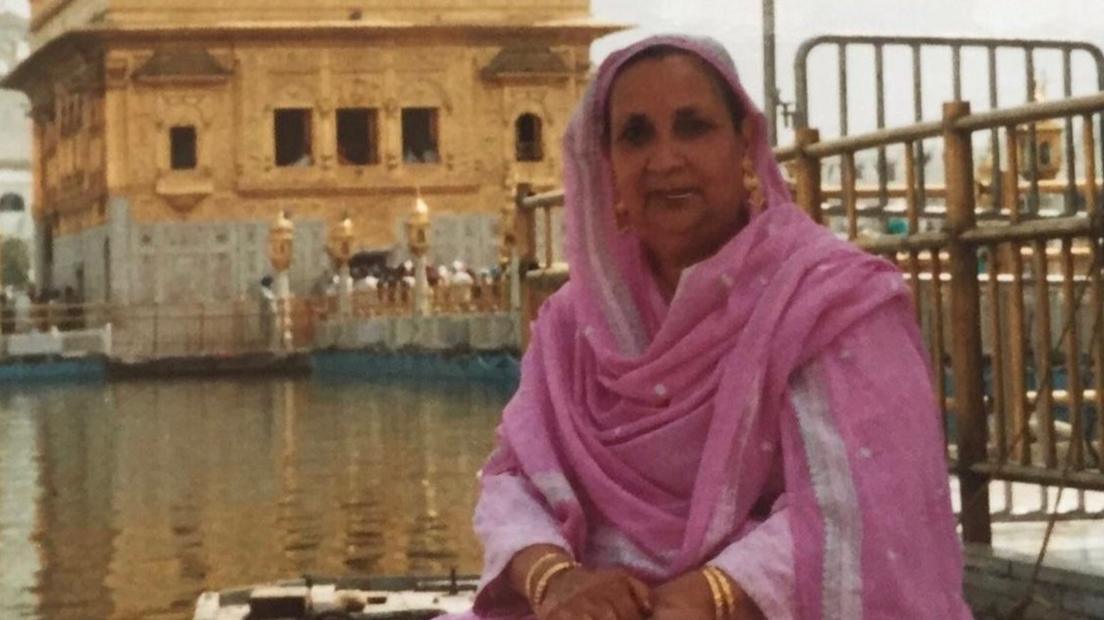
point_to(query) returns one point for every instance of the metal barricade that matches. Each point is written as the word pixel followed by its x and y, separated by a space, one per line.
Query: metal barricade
pixel 956 45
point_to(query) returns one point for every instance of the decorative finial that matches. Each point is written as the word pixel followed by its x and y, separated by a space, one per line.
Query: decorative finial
pixel 420 205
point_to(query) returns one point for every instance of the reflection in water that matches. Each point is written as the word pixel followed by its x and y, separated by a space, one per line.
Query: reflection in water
pixel 19 494
pixel 127 500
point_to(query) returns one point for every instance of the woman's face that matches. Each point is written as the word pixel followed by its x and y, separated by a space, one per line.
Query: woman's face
pixel 676 158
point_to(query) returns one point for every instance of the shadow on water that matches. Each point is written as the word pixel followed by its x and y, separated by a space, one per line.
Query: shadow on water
pixel 126 500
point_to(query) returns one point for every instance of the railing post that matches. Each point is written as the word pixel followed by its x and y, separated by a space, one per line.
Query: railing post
pixel 808 175
pixel 966 318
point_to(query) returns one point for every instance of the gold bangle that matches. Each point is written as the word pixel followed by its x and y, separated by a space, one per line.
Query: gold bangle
pixel 551 555
pixel 720 610
pixel 542 583
pixel 726 590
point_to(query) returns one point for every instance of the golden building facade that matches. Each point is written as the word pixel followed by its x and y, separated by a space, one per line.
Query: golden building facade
pixel 169 134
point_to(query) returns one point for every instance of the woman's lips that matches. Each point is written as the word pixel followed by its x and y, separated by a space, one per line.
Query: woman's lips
pixel 675 195
pixel 673 210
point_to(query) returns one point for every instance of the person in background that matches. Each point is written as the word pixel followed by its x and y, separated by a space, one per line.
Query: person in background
pixel 73 309
pixel 7 314
pixel 22 308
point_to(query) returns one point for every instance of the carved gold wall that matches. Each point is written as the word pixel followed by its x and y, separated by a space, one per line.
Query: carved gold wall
pixel 50 18
pixel 104 100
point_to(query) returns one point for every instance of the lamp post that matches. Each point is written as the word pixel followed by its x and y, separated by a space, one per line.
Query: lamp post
pixel 280 243
pixel 1045 144
pixel 507 255
pixel 417 237
pixel 340 249
pixel 770 87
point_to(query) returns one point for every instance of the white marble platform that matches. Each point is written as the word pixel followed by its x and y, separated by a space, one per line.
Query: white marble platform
pixel 1076 543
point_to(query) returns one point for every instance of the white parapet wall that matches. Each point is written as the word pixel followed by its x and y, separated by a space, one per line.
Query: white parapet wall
pixel 478 332
pixel 76 343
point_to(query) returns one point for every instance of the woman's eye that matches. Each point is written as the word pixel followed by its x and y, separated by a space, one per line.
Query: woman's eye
pixel 635 134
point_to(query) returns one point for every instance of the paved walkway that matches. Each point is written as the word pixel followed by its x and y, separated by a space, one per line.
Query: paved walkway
pixel 1076 543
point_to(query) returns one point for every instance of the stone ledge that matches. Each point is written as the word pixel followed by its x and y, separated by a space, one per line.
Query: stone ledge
pixel 997 582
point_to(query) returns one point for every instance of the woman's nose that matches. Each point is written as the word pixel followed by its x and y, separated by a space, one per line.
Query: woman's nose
pixel 665 156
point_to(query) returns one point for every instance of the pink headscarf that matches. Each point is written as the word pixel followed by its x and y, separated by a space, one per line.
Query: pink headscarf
pixel 636 413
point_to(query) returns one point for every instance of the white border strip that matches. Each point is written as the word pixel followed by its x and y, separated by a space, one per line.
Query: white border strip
pixel 830 471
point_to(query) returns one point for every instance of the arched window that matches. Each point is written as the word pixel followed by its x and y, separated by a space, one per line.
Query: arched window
pixel 12 202
pixel 529 138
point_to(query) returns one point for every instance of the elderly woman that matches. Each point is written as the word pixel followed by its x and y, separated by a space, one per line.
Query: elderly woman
pixel 727 412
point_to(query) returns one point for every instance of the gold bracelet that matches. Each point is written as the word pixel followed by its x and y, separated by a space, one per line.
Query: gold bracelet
pixel 542 583
pixel 551 555
pixel 726 590
pixel 720 610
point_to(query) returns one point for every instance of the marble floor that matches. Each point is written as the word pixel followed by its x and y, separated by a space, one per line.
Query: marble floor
pixel 1020 524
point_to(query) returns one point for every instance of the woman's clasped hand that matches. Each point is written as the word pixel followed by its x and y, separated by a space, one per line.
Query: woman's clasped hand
pixel 559 589
pixel 596 594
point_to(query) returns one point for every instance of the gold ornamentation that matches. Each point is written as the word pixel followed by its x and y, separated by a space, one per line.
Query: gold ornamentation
pixel 724 603
pixel 752 185
pixel 534 569
pixel 715 590
pixel 726 590
pixel 541 588
pixel 340 246
pixel 280 238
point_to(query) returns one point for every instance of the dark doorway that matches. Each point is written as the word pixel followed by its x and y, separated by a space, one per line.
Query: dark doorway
pixel 420 136
pixel 182 144
pixel 293 137
pixel 357 144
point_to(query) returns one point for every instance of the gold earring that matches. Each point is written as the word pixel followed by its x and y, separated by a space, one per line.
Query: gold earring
pixel 752 185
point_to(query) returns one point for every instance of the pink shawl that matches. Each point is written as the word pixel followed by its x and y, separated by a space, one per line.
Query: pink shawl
pixel 648 417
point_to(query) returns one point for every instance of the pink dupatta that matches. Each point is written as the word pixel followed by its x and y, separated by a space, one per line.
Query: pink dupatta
pixel 657 421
